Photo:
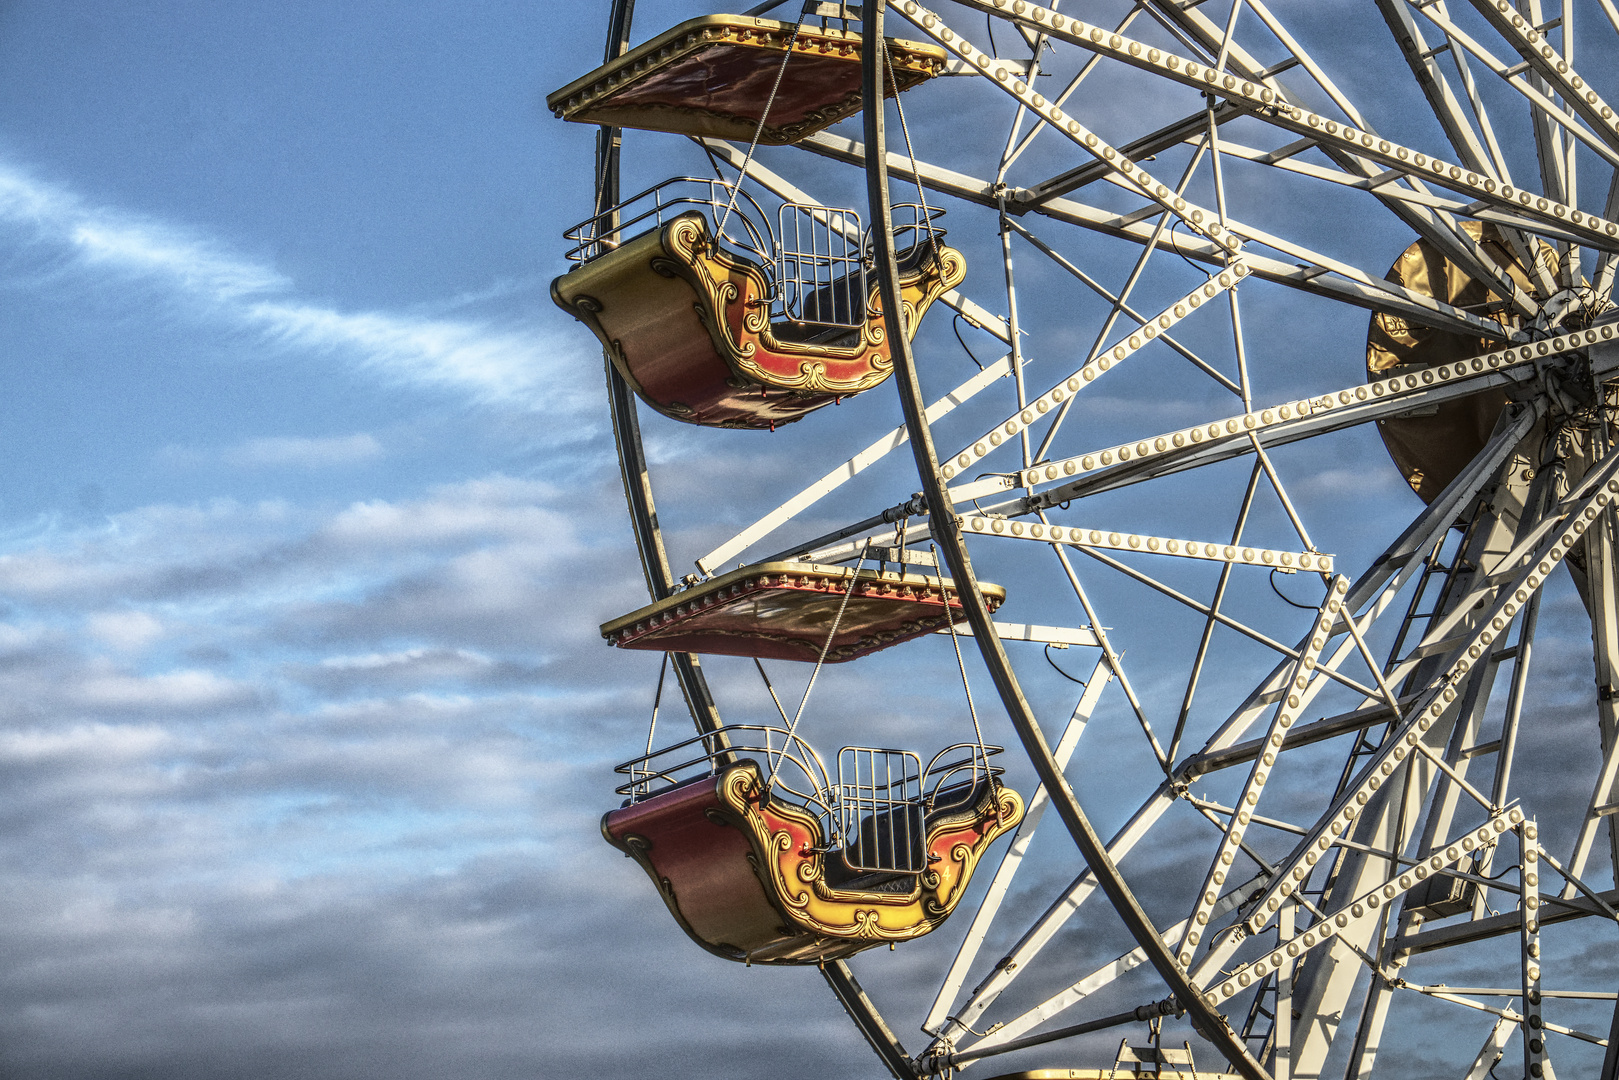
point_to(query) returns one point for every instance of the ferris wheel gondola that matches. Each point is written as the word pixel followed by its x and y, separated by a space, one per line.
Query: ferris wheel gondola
pixel 1367 856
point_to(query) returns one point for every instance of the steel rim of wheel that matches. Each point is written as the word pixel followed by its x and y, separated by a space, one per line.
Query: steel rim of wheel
pixel 1514 136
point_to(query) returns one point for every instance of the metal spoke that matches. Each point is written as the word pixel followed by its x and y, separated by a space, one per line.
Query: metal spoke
pixel 1603 593
pixel 1112 656
pixel 1303 269
pixel 1061 99
pixel 1602 137
pixel 1209 623
pixel 889 442
pixel 1140 320
pixel 1475 146
pixel 1385 578
pixel 1015 852
pixel 1368 884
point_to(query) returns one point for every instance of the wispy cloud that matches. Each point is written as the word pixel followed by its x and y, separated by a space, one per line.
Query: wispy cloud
pixel 306 453
pixel 282 452
pixel 127 631
pixel 275 778
pixel 493 364
pixel 519 364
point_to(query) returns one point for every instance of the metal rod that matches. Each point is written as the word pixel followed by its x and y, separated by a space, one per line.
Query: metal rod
pixel 1096 287
pixel 1012 324
pixel 1490 991
pixel 1118 303
pixel 1136 1015
pixel 871 1024
pixel 1241 628
pixel 1114 660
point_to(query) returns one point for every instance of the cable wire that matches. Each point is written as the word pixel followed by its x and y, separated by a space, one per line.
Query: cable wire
pixel 1284 596
pixel 1058 669
pixel 760 130
pixel 955 325
pixel 820 661
pixel 955 640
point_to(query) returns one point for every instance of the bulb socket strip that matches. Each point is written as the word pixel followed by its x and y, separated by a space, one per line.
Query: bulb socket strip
pixel 1264 101
pixel 1204 222
pixel 1393 387
pixel 1247 804
pixel 1012 425
pixel 805 39
pixel 1532 45
pixel 1364 906
pixel 1534 1025
pixel 1153 545
pixel 1582 509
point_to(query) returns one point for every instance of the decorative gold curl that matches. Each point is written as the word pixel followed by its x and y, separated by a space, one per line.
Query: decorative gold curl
pixel 848 915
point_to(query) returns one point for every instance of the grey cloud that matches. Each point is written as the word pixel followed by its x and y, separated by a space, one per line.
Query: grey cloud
pixel 413 668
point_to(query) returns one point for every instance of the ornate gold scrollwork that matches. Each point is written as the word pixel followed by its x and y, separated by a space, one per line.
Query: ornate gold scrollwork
pixel 785 855
pixel 720 280
pixel 787 838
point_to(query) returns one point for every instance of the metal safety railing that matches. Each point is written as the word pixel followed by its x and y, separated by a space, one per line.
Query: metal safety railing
pixel 956 775
pixel 798 769
pixel 746 229
pixel 815 261
pixel 917 234
pixel 820 266
pixel 880 810
pixel 876 813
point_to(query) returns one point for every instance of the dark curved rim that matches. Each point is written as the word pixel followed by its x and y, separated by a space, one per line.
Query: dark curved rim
pixel 660 578
pixel 946 531
pixel 632 462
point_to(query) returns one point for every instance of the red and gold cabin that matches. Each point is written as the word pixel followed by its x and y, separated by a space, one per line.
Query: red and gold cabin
pixel 747 328
pixel 733 329
pixel 758 870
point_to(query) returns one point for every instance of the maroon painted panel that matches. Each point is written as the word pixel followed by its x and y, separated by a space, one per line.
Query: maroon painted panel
pixel 735 80
pixel 712 888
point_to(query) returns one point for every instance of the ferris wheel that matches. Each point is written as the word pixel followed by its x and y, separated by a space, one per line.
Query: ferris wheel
pixel 1238 267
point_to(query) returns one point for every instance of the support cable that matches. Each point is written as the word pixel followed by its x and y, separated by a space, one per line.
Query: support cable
pixel 955 640
pixel 758 131
pixel 820 662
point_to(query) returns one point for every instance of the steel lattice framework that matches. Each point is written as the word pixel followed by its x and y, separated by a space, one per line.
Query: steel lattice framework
pixel 1369 818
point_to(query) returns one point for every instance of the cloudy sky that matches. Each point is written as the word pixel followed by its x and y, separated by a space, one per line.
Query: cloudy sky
pixel 306 509
pixel 308 515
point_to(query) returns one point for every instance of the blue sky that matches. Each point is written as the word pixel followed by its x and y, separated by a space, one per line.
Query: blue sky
pixel 306 502
pixel 308 516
